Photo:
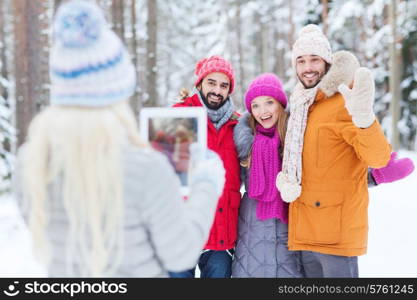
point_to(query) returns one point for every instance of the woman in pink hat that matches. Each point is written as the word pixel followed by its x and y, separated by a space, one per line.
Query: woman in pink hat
pixel 261 249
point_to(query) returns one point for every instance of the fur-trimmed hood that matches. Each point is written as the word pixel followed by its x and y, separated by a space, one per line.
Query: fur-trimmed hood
pixel 243 136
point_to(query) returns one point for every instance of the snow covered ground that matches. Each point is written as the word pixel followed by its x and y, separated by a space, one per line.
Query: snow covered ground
pixel 16 257
pixel 392 247
pixel 392 243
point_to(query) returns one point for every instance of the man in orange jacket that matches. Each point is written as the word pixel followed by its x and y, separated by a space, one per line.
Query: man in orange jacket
pixel 332 138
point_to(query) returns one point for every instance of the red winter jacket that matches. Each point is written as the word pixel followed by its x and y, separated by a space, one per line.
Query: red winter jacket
pixel 223 233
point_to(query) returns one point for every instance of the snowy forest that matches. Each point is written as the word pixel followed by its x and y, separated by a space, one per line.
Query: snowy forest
pixel 167 37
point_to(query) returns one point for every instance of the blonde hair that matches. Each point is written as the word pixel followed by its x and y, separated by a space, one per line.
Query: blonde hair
pixel 281 128
pixel 81 146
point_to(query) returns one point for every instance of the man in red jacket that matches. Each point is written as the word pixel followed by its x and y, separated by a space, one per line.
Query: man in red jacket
pixel 214 84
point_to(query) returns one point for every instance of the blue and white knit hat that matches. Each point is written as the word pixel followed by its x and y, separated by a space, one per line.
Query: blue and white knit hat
pixel 89 65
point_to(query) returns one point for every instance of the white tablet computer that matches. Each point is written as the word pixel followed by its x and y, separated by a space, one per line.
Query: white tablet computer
pixel 171 130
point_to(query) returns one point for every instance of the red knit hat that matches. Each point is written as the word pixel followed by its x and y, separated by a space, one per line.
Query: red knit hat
pixel 213 64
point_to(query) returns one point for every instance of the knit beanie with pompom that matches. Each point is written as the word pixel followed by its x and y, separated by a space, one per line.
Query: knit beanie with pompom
pixel 213 64
pixel 89 65
pixel 266 84
pixel 311 41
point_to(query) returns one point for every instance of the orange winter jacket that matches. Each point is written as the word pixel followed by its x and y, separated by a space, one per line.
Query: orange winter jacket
pixel 331 214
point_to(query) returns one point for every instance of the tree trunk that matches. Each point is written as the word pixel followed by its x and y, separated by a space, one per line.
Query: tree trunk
pixel 395 77
pixel 291 33
pixel 169 64
pixel 280 62
pixel 117 18
pixel 264 47
pixel 4 75
pixel 280 46
pixel 324 14
pixel 257 41
pixel 151 67
pixel 57 3
pixel 4 93
pixel 238 29
pixel 134 100
pixel 45 24
pixel 28 63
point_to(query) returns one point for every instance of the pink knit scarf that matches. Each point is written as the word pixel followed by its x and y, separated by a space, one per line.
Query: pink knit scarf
pixel 265 165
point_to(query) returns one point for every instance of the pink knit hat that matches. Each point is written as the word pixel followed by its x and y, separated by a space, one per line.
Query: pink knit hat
pixel 266 84
pixel 213 64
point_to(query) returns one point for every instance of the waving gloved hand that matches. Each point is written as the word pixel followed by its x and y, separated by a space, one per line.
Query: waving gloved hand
pixel 360 98
pixel 206 165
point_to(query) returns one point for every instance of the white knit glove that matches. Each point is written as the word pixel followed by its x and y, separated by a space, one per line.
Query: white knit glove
pixel 360 99
pixel 289 191
pixel 206 165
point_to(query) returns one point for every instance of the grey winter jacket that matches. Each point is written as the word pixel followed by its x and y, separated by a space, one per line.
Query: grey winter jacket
pixel 161 231
pixel 261 249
